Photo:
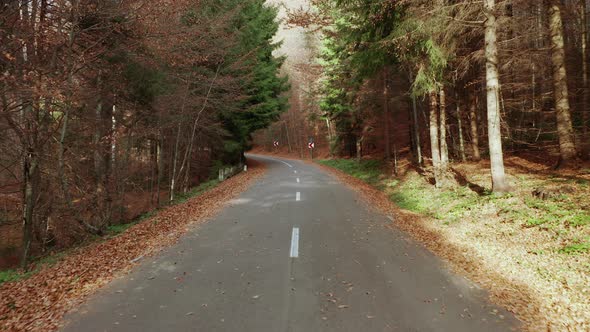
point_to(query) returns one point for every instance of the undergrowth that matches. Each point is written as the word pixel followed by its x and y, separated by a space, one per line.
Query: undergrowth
pixel 566 216
pixel 369 171
pixel 112 230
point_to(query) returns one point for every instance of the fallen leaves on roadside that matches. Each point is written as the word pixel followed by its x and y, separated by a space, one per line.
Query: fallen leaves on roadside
pixel 39 302
pixel 515 297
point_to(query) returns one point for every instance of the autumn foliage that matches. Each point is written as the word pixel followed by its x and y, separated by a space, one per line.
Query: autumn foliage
pixel 111 108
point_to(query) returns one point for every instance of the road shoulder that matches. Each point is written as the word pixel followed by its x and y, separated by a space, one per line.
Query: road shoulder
pixel 38 303
pixel 515 297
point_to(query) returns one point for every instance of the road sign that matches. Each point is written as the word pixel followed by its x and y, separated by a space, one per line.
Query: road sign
pixel 311 145
pixel 276 144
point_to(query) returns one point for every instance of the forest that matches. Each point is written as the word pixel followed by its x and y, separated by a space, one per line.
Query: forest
pixel 449 80
pixel 464 122
pixel 473 115
pixel 110 109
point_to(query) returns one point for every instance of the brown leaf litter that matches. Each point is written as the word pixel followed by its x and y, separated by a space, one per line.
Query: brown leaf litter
pixel 39 303
pixel 514 296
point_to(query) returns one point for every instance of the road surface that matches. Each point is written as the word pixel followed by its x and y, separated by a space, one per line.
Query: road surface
pixel 298 251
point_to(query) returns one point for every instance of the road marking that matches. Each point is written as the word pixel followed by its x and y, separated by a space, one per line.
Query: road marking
pixel 286 163
pixel 295 243
pixel 298 180
pixel 298 196
pixel 274 159
pixel 295 172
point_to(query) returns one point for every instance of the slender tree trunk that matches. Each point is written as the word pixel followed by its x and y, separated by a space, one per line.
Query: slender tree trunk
pixel 160 156
pixel 499 183
pixel 565 131
pixel 30 157
pixel 30 183
pixel 474 130
pixel 288 136
pixel 64 129
pixel 97 153
pixel 444 147
pixel 359 149
pixel 416 126
pixel 460 128
pixel 586 96
pixel 175 153
pixel 63 178
pixel 434 142
pixel 113 138
pixel 153 170
pixel 386 115
pixel 395 163
pixel 174 164
pixel 189 150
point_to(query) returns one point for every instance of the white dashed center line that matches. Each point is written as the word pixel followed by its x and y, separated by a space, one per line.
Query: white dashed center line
pixel 295 172
pixel 298 196
pixel 298 180
pixel 294 253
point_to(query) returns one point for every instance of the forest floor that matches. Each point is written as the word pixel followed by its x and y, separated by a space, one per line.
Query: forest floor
pixel 37 301
pixel 532 254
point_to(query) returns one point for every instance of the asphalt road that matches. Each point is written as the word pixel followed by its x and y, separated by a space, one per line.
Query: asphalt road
pixel 298 251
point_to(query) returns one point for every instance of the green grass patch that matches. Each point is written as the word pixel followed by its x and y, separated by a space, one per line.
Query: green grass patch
pixel 12 275
pixel 36 264
pixel 369 171
pixel 198 190
pixel 532 222
pixel 120 228
pixel 580 220
pixel 576 248
pixel 556 212
pixel 411 200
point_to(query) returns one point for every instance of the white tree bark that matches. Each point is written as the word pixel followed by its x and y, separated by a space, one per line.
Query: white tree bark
pixel 499 183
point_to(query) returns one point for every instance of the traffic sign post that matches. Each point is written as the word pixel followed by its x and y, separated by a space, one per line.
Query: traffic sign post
pixel 311 146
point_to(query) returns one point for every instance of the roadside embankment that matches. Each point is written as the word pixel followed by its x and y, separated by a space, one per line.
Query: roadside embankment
pixel 38 303
pixel 531 253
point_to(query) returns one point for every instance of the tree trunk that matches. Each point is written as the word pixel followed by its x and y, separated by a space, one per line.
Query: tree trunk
pixel 174 164
pixel 386 116
pixel 64 129
pixel 160 157
pixel 330 137
pixel 30 183
pixel 113 138
pixel 395 163
pixel 444 147
pixel 189 150
pixel 359 149
pixel 499 183
pixel 416 128
pixel 460 128
pixel 153 170
pixel 565 131
pixel 96 143
pixel 434 142
pixel 474 131
pixel 586 93
pixel 288 136
pixel 64 180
